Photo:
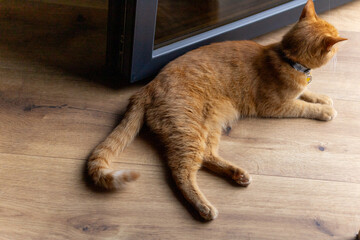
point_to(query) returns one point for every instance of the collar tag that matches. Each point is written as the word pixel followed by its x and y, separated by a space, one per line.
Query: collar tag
pixel 308 77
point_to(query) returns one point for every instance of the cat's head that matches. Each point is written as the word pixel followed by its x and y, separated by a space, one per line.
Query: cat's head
pixel 311 41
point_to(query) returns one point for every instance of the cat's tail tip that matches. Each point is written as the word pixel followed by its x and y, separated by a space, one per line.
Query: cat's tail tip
pixel 112 179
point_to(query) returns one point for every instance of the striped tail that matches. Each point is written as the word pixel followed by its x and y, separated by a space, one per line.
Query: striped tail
pixel 100 160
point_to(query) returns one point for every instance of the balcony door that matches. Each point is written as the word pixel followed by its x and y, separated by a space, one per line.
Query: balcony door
pixel 144 35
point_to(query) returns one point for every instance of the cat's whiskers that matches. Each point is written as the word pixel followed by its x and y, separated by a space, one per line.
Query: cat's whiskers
pixel 334 62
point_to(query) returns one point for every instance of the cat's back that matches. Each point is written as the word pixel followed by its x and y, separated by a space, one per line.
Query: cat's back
pixel 224 62
pixel 216 71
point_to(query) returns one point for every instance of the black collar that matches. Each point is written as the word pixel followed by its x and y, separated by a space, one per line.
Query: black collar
pixel 297 66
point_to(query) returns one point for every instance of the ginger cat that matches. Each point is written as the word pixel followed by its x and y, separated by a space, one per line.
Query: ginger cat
pixel 205 90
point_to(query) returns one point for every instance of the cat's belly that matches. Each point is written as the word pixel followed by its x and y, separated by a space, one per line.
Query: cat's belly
pixel 168 113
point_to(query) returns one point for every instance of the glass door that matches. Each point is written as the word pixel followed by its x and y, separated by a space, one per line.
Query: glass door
pixel 177 20
pixel 144 35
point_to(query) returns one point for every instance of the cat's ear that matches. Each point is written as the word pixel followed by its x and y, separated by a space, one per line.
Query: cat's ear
pixel 308 11
pixel 329 42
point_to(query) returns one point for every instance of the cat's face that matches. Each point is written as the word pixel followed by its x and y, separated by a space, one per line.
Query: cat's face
pixel 312 41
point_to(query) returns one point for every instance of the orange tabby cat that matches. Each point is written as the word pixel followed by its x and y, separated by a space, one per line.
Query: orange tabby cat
pixel 205 90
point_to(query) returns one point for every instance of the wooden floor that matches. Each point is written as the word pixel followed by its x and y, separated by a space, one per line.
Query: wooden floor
pixel 54 111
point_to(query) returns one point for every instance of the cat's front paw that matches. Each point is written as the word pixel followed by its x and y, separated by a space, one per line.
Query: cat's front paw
pixel 327 113
pixel 207 212
pixel 323 99
pixel 242 178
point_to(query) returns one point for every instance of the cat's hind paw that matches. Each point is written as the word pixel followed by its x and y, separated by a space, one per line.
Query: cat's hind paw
pixel 207 212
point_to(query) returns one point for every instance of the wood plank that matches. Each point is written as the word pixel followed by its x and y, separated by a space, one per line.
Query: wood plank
pixel 38 36
pixel 50 116
pixel 40 194
pixel 54 110
pixel 249 143
pixel 50 11
pixel 102 4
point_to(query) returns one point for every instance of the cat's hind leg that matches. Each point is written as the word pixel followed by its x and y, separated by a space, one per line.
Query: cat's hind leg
pixel 185 178
pixel 220 166
pixel 217 164
pixel 185 159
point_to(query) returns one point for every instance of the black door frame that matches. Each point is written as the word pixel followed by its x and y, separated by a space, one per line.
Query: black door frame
pixel 131 30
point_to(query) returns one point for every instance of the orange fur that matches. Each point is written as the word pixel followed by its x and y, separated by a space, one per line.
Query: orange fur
pixel 205 90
